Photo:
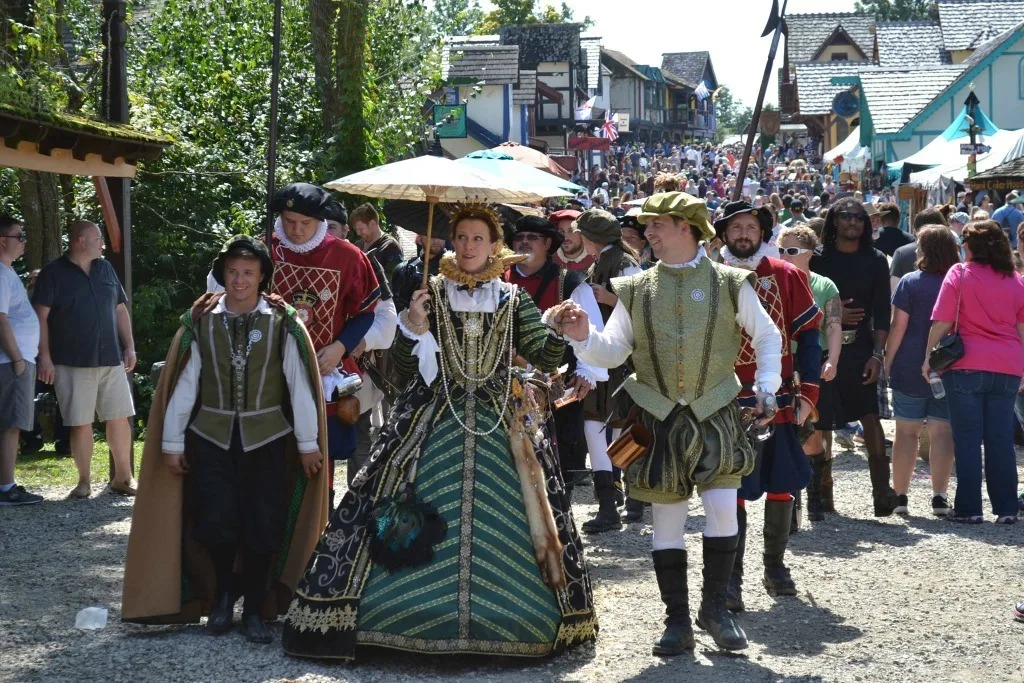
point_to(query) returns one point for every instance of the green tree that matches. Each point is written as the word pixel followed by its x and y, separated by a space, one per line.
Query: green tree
pixel 456 17
pixel 520 12
pixel 898 10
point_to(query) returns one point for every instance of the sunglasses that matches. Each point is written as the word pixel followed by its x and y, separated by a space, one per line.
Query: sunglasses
pixel 851 215
pixel 22 236
pixel 526 237
pixel 793 251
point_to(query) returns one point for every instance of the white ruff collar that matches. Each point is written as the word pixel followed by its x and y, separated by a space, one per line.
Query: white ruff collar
pixel 751 263
pixel 305 247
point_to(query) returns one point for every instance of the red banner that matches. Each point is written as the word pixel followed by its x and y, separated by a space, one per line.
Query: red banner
pixel 594 144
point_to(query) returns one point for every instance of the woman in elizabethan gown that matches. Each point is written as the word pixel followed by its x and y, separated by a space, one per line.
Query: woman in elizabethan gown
pixel 456 536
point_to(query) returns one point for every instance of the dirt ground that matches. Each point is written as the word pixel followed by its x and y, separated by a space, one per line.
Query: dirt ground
pixel 896 599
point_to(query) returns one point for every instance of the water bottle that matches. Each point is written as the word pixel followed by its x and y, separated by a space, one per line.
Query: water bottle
pixel 935 382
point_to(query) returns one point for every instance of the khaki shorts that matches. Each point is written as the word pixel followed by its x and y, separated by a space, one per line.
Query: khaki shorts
pixel 85 394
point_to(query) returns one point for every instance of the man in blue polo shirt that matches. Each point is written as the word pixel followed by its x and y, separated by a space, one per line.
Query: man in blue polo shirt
pixel 1010 216
pixel 86 349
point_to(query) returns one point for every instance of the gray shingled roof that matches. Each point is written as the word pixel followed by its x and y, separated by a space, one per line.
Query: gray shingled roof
pixel 907 43
pixel 526 91
pixel 895 96
pixel 814 88
pixel 592 48
pixel 1011 34
pixel 623 61
pixel 808 31
pixel 482 64
pixel 966 24
pixel 689 66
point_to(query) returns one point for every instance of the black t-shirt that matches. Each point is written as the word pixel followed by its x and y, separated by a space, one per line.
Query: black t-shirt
pixel 82 323
pixel 891 238
pixel 864 277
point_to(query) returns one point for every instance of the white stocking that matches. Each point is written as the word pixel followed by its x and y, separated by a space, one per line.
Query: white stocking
pixel 669 525
pixel 720 513
pixel 597 445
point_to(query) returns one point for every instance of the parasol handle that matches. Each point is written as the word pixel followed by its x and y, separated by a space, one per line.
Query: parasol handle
pixel 426 245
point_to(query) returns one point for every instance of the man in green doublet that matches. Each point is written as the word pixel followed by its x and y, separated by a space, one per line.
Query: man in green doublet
pixel 681 321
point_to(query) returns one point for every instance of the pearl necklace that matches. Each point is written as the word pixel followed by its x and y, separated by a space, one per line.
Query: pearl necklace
pixel 507 340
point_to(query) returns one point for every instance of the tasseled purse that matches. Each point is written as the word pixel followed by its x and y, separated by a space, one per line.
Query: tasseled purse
pixel 405 530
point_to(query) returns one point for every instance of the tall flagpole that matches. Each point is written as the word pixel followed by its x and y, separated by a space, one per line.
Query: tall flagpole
pixel 275 78
pixel 778 20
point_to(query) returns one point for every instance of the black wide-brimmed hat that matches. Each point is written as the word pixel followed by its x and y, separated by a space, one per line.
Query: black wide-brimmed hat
pixel 336 212
pixel 241 244
pixel 541 226
pixel 309 200
pixel 763 215
pixel 630 220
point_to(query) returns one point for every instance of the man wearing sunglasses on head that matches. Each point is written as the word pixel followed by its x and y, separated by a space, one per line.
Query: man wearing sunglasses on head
pixel 781 466
pixel 861 273
pixel 19 343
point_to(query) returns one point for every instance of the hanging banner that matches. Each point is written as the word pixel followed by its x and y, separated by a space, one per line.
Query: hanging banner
pixel 595 144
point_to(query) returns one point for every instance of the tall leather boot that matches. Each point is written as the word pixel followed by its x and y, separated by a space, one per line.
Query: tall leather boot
pixel 714 617
pixel 777 517
pixel 607 518
pixel 670 569
pixel 815 507
pixel 734 591
pixel 634 510
pixel 883 496
pixel 223 608
pixel 255 573
pixel 828 503
pixel 794 524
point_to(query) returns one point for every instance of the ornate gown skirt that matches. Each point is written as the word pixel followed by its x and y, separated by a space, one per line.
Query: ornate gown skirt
pixel 483 590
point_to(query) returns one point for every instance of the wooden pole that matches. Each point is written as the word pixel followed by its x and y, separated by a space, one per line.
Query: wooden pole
pixel 114 107
pixel 275 78
pixel 737 193
pixel 426 245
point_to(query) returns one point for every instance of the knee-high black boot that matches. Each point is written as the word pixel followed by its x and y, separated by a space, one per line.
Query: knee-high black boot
pixel 222 611
pixel 607 517
pixel 815 507
pixel 734 591
pixel 670 568
pixel 714 617
pixel 254 579
pixel 777 517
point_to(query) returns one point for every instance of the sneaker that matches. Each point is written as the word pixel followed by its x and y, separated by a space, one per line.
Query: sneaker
pixel 902 505
pixel 1007 519
pixel 955 516
pixel 1018 611
pixel 844 438
pixel 858 435
pixel 17 495
pixel 1020 502
pixel 940 505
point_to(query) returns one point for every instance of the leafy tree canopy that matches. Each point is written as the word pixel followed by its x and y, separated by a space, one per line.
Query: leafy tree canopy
pixel 898 10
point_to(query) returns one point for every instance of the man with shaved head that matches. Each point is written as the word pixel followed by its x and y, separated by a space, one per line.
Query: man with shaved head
pixel 86 349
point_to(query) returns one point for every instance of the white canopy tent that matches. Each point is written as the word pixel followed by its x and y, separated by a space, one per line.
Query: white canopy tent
pixel 1006 145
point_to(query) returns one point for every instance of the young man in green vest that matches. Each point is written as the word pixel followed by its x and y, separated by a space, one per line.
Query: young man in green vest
pixel 682 321
pixel 249 357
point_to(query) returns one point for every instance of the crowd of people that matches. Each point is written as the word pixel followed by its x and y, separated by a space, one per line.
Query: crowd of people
pixel 653 340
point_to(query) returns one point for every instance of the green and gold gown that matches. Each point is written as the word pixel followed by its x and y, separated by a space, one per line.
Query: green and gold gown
pixel 450 441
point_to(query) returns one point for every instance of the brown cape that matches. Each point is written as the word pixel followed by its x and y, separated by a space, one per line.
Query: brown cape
pixel 168 576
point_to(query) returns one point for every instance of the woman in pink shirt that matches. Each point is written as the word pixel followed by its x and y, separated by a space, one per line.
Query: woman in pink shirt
pixel 981 386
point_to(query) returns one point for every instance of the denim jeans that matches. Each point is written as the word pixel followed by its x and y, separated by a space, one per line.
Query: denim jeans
pixel 981 412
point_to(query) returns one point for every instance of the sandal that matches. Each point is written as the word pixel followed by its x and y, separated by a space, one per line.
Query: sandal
pixel 125 488
pixel 82 491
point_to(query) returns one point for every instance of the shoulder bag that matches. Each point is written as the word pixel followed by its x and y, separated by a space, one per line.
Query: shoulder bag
pixel 950 348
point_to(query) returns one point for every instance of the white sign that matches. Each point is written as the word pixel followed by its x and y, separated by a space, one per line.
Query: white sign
pixel 621 121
